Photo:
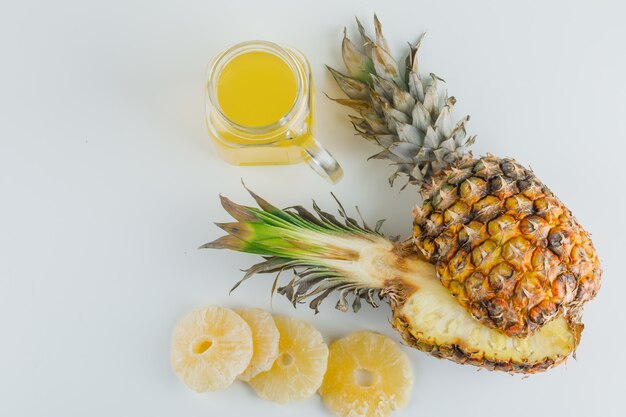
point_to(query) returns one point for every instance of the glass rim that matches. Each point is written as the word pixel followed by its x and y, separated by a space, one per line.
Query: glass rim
pixel 220 60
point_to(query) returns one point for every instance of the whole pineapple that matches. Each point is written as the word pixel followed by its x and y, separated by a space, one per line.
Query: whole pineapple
pixel 497 270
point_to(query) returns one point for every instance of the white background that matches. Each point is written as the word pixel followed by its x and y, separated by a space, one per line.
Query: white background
pixel 109 183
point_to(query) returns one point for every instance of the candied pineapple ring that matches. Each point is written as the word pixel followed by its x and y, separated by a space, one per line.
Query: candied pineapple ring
pixel 265 338
pixel 367 376
pixel 300 367
pixel 210 347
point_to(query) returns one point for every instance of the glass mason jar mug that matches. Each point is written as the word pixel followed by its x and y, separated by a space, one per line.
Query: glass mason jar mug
pixel 259 108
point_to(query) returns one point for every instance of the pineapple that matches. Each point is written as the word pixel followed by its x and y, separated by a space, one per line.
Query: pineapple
pixel 265 338
pixel 210 348
pixel 298 371
pixel 368 376
pixel 497 269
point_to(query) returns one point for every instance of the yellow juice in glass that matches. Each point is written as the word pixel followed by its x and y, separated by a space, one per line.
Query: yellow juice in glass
pixel 260 108
pixel 256 89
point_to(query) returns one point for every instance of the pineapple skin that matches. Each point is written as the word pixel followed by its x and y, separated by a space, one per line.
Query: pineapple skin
pixel 505 246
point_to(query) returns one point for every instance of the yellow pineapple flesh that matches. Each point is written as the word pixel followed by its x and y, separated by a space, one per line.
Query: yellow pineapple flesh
pixel 210 347
pixel 298 371
pixel 368 376
pixel 265 338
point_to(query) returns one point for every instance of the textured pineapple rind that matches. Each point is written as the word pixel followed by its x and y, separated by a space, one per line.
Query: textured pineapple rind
pixel 505 246
pixel 460 353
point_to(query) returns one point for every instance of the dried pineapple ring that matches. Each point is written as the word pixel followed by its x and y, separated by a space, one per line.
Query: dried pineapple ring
pixel 368 376
pixel 301 363
pixel 210 347
pixel 265 338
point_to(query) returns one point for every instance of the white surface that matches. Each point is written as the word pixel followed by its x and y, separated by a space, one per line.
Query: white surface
pixel 109 184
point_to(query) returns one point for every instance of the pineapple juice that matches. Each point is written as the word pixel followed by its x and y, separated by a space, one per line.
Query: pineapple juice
pixel 267 109
pixel 259 108
pixel 256 89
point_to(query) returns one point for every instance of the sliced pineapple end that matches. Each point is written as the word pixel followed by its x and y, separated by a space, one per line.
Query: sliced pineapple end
pixel 431 320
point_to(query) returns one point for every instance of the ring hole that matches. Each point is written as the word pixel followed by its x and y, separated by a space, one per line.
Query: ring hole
pixel 286 359
pixel 364 377
pixel 202 347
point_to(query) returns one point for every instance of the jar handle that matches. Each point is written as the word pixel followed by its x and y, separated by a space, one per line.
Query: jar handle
pixel 321 160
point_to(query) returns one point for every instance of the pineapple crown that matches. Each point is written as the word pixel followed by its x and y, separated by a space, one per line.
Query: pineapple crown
pixel 310 244
pixel 402 113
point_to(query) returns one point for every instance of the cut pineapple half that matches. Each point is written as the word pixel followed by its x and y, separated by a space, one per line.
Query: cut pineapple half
pixel 368 376
pixel 265 338
pixel 299 369
pixel 210 348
